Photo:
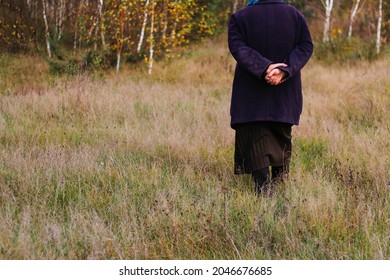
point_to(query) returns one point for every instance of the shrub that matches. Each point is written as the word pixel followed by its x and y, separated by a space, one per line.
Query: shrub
pixel 95 60
pixel 344 49
pixel 58 67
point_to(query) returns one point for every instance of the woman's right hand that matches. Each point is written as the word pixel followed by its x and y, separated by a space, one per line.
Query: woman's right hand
pixel 275 76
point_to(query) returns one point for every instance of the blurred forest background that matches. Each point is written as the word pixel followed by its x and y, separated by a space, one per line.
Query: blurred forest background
pixel 78 35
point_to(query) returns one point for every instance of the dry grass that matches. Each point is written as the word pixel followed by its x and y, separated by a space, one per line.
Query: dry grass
pixel 138 167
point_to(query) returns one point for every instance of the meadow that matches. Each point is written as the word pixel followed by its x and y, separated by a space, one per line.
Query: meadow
pixel 132 166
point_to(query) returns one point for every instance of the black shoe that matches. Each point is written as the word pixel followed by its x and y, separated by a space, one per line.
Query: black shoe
pixel 261 178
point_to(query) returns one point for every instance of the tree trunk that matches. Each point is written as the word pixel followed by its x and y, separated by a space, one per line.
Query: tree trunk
pixel 378 30
pixel 76 9
pixel 328 10
pixel 352 18
pixel 142 35
pixel 101 25
pixel 120 40
pixel 60 16
pixel 47 34
pixel 151 40
pixel 234 6
pixel 118 60
pixel 75 40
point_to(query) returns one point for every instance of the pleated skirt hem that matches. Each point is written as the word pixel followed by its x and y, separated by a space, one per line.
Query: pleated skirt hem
pixel 261 144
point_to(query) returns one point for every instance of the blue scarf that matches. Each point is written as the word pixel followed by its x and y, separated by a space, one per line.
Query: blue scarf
pixel 252 2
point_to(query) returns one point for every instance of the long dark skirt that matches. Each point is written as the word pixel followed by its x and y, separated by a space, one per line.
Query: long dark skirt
pixel 259 145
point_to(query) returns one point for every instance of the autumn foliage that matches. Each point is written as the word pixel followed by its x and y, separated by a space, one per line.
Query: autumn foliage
pixel 106 32
pixel 113 27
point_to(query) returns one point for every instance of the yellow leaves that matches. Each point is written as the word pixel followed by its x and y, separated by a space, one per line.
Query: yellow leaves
pixel 336 32
pixel 176 24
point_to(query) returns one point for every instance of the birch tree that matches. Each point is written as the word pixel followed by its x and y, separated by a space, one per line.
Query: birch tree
pixel 379 27
pixel 121 27
pixel 101 23
pixel 60 17
pixel 142 35
pixel 151 51
pixel 328 4
pixel 76 11
pixel 234 5
pixel 354 11
pixel 120 40
pixel 47 34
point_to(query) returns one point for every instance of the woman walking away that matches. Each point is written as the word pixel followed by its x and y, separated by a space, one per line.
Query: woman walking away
pixel 271 43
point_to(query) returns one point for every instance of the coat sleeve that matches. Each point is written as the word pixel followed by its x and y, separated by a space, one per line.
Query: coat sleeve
pixel 246 57
pixel 302 52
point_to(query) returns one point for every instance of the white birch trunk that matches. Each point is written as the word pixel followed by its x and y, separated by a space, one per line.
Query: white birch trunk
pixel 328 4
pixel 47 34
pixel 235 6
pixel 76 10
pixel 378 30
pixel 75 40
pixel 100 10
pixel 93 28
pixel 142 35
pixel 352 18
pixel 151 40
pixel 60 19
pixel 118 61
pixel 121 41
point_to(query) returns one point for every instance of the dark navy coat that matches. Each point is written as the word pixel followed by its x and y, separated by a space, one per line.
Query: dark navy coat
pixel 259 35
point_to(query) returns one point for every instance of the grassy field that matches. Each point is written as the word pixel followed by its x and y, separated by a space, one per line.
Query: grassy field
pixel 136 167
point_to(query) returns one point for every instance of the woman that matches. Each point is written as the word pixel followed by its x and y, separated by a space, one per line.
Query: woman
pixel 271 43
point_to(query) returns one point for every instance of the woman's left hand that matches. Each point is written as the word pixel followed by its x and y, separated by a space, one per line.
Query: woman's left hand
pixel 275 77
